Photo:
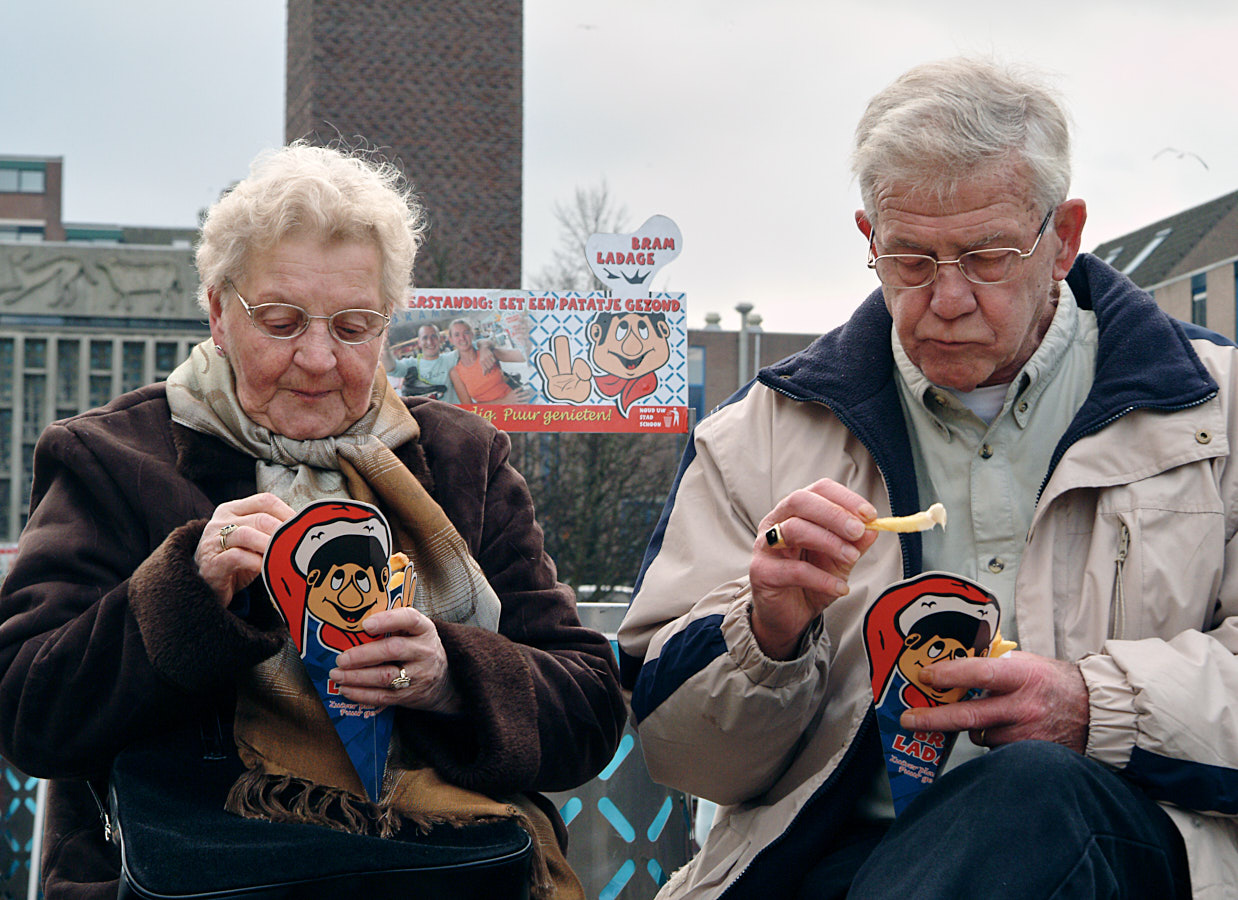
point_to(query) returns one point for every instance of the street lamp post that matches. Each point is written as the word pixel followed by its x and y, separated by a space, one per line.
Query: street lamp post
pixel 743 309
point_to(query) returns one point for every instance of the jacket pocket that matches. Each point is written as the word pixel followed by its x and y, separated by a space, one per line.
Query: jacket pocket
pixel 1167 566
pixel 1133 561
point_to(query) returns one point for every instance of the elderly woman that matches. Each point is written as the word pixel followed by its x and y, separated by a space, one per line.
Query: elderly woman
pixel 134 605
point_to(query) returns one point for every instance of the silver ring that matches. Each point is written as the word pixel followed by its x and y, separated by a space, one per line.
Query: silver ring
pixel 401 681
pixel 224 532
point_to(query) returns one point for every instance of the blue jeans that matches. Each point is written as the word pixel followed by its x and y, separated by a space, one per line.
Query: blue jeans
pixel 1027 820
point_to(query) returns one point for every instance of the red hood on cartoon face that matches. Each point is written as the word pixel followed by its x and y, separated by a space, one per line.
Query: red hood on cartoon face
pixel 283 568
pixel 884 639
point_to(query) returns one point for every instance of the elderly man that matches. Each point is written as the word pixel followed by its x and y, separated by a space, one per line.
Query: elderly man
pixel 1080 439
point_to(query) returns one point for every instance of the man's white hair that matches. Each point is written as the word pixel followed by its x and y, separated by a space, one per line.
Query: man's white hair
pixel 944 122
pixel 321 191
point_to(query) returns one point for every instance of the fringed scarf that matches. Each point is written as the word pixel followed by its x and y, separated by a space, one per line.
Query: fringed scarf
pixel 297 767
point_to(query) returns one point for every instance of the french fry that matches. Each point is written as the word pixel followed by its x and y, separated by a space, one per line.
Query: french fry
pixel 921 521
pixel 398 562
pixel 1000 645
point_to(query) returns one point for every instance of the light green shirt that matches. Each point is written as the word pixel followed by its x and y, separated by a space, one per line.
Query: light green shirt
pixel 989 475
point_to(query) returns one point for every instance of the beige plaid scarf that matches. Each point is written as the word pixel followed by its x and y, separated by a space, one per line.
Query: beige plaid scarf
pixel 298 769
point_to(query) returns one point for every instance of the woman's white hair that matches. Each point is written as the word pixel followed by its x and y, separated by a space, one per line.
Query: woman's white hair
pixel 322 191
pixel 942 122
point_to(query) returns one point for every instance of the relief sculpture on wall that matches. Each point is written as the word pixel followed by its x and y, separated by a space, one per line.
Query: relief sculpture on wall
pixel 89 281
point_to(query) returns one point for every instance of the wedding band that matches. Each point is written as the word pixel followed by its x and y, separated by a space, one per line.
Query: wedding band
pixel 773 537
pixel 223 535
pixel 401 681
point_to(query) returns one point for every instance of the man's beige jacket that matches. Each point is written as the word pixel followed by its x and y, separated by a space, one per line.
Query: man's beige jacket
pixel 1129 569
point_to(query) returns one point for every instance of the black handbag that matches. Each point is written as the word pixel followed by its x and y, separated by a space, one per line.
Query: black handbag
pixel 165 811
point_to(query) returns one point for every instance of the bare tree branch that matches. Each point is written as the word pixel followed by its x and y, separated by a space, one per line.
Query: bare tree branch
pixel 598 496
pixel 591 211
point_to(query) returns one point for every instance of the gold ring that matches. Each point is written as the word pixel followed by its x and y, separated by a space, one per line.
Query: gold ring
pixel 982 738
pixel 224 532
pixel 773 537
pixel 401 681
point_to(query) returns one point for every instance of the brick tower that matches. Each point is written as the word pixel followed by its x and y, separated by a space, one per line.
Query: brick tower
pixel 436 86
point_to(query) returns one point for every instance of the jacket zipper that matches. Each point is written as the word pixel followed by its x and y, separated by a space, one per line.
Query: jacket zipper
pixel 1117 621
pixel 109 832
pixel 869 720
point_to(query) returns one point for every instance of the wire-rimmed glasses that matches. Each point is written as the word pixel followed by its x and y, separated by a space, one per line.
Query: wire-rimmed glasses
pixel 284 321
pixel 993 265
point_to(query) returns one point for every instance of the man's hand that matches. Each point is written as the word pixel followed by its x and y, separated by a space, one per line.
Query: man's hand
pixel 565 379
pixel 1030 697
pixel 823 534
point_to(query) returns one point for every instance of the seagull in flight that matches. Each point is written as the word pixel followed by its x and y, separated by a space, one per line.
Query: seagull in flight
pixel 1181 154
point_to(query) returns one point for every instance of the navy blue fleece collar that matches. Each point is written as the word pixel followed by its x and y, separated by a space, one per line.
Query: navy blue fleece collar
pixel 1144 359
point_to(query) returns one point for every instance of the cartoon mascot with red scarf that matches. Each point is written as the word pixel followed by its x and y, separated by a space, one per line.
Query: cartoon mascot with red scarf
pixel 920 622
pixel 328 569
pixel 628 348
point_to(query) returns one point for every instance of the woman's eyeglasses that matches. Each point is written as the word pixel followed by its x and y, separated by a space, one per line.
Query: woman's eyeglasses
pixel 284 321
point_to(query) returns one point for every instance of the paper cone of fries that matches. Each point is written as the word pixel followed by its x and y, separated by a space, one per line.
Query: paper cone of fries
pixel 328 568
pixel 916 623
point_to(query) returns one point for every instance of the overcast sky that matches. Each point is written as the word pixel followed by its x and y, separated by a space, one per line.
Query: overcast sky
pixel 733 118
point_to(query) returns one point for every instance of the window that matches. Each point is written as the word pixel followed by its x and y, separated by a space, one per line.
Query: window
pixel 166 358
pixel 6 448
pixel 7 363
pixel 100 389
pixel 31 181
pixel 1143 254
pixel 67 352
pixel 4 510
pixel 1199 299
pixel 27 234
pixel 100 356
pixel 23 178
pixel 36 353
pixel 133 366
pixel 696 382
pixel 34 392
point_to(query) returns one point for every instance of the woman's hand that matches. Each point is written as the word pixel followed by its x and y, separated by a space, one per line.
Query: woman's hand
pixel 229 554
pixel 822 532
pixel 411 646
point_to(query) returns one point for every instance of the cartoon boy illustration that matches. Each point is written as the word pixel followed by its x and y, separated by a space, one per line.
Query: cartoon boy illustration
pixel 921 622
pixel 628 348
pixel 328 568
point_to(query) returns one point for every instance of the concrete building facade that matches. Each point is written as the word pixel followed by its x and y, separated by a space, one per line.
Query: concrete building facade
pixel 87 312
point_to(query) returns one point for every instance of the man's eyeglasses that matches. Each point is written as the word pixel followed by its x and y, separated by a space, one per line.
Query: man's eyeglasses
pixel 284 321
pixel 995 265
